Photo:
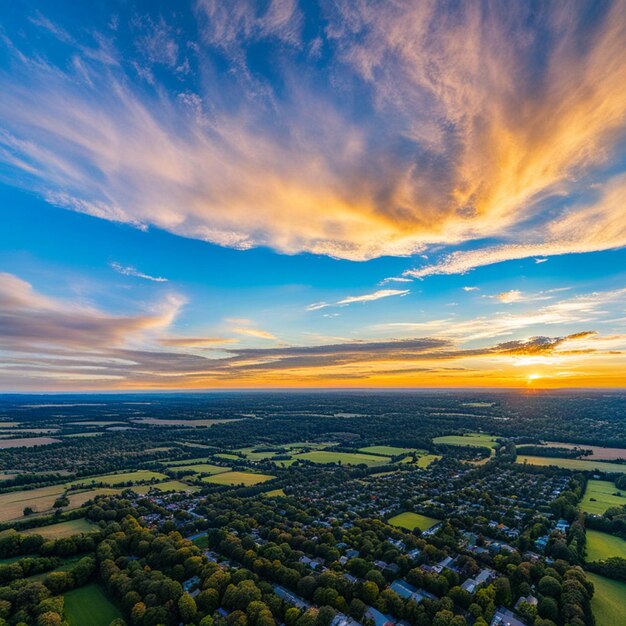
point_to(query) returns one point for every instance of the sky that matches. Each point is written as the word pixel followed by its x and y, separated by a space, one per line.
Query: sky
pixel 339 193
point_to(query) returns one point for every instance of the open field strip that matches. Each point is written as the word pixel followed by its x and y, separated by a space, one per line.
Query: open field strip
pixel 27 442
pixel 201 468
pixel 63 529
pixel 411 521
pixel 347 458
pixel 184 423
pixel 116 479
pixel 600 453
pixel 609 600
pixel 168 485
pixel 573 464
pixel 274 493
pixel 600 495
pixel 89 605
pixel 601 546
pixel 237 478
pixel 388 450
pixel 479 440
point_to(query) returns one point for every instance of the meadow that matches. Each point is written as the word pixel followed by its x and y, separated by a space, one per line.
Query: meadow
pixel 601 546
pixel 63 529
pixel 237 478
pixel 609 600
pixel 386 450
pixel 599 453
pixel 600 496
pixel 573 464
pixel 201 468
pixel 89 605
pixel 168 485
pixel 158 421
pixel 480 440
pixel 122 477
pixel 274 493
pixel 347 458
pixel 411 521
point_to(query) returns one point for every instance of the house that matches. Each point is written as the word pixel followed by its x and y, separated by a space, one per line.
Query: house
pixel 562 525
pixel 191 583
pixel 408 592
pixel 504 617
pixel 291 598
pixel 414 554
pixel 529 599
pixel 379 618
pixel 352 554
pixel 541 543
pixel 343 620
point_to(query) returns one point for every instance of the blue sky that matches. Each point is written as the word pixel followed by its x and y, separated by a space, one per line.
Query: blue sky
pixel 277 193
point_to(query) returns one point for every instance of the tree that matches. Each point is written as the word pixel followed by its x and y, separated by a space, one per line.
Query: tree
pixel 549 586
pixel 369 592
pixel 548 608
pixel 187 608
pixel 28 510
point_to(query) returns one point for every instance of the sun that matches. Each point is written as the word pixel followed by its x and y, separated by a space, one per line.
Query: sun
pixel 533 377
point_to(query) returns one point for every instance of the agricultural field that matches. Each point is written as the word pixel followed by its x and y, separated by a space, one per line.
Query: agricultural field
pixel 424 460
pixel 168 485
pixel 257 456
pixel 573 464
pixel 122 477
pixel 609 600
pixel 347 458
pixel 601 546
pixel 201 468
pixel 480 440
pixel 27 442
pixel 89 605
pixel 63 529
pixel 411 521
pixel 155 421
pixel 387 450
pixel 599 453
pixel 600 495
pixel 237 478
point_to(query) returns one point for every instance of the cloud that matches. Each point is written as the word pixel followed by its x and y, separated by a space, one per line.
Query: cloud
pixel 129 270
pixel 475 117
pixel 513 295
pixel 30 320
pixel 539 260
pixel 471 288
pixel 368 297
pixel 194 342
pixel 257 333
pixel 53 343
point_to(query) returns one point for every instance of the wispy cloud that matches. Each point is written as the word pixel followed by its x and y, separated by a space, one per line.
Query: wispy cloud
pixel 368 297
pixel 129 270
pixel 488 111
pixel 471 288
pixel 257 333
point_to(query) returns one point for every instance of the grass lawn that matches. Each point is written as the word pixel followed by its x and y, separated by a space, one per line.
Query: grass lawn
pixel 480 440
pixel 601 546
pixel 168 485
pixel 89 605
pixel 347 458
pixel 609 601
pixel 386 450
pixel 274 493
pixel 600 496
pixel 238 478
pixel 201 468
pixel 12 504
pixel 63 529
pixel 257 456
pixel 573 464
pixel 411 521
pixel 122 477
pixel 202 542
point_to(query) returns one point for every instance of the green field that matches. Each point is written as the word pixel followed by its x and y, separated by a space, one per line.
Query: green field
pixel 386 450
pixel 168 485
pixel 602 546
pixel 609 601
pixel 424 460
pixel 480 440
pixel 411 521
pixel 347 458
pixel 574 464
pixel 274 493
pixel 237 478
pixel 63 529
pixel 89 605
pixel 600 495
pixel 201 468
pixel 122 477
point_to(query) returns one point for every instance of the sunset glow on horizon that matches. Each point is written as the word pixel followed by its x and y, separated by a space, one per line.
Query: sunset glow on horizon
pixel 287 194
